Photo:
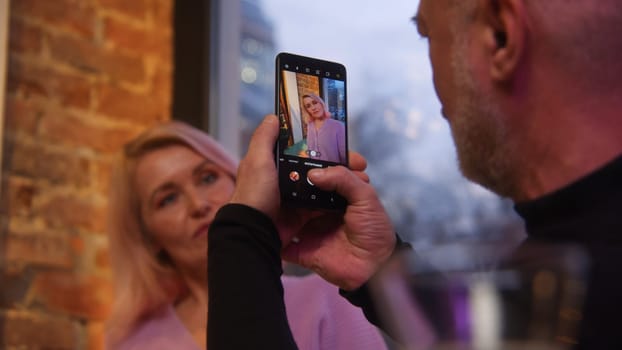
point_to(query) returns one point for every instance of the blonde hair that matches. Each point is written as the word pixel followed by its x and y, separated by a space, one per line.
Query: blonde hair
pixel 143 283
pixel 319 100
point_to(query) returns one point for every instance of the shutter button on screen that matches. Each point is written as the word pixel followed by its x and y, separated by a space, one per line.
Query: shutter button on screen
pixel 294 176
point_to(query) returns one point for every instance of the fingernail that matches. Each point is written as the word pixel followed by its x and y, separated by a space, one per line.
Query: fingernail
pixel 316 173
pixel 271 118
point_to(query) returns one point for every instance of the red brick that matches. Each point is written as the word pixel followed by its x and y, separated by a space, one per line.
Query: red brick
pixel 138 39
pixel 95 335
pixel 73 131
pixel 101 176
pixel 162 12
pixel 24 38
pixel 58 167
pixel 29 330
pixel 22 116
pixel 118 103
pixel 73 294
pixel 162 86
pixel 102 258
pixel 135 8
pixel 24 89
pixel 77 245
pixel 21 193
pixel 30 79
pixel 39 249
pixel 77 16
pixel 72 211
pixel 64 168
pixel 4 204
pixel 22 160
pixel 58 152
pixel 91 58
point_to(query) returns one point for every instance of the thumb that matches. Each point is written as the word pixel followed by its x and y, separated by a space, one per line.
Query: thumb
pixel 343 181
pixel 264 137
pixel 256 181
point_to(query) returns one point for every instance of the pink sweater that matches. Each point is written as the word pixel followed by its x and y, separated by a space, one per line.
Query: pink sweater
pixel 320 319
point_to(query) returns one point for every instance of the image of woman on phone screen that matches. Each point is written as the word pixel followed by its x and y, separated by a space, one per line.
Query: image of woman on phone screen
pixel 326 137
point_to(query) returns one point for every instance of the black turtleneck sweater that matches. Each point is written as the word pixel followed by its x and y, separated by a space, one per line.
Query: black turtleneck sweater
pixel 588 212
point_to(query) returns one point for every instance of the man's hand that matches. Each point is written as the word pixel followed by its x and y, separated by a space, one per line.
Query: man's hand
pixel 257 182
pixel 344 249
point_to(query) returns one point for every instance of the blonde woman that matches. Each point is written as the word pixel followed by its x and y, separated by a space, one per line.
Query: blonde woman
pixel 326 137
pixel 166 187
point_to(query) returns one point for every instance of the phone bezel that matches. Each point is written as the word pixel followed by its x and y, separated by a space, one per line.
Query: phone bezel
pixel 310 197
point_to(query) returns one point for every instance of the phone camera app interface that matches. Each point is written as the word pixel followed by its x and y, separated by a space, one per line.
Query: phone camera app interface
pixel 313 115
pixel 311 105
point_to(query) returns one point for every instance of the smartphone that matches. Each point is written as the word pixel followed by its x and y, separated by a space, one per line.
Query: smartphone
pixel 311 103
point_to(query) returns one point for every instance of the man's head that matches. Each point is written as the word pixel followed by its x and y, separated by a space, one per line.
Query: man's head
pixel 502 69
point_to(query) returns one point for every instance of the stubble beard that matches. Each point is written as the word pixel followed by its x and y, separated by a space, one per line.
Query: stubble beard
pixel 477 128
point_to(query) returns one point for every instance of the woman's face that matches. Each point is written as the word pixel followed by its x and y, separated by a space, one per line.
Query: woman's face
pixel 179 193
pixel 314 108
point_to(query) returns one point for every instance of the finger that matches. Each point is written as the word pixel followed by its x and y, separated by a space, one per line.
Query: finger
pixel 342 180
pixel 256 181
pixel 357 161
pixel 363 176
pixel 265 136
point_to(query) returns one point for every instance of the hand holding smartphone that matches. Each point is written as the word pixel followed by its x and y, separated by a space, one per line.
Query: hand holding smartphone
pixel 311 105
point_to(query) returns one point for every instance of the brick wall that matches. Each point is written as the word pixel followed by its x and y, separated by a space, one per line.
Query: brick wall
pixel 307 84
pixel 83 77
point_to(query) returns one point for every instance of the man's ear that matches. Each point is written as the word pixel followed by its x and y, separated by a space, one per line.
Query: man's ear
pixel 507 34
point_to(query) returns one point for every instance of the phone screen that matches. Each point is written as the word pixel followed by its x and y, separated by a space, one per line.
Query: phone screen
pixel 311 105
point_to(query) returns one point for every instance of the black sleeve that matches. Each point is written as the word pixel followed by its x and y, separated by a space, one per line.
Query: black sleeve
pixel 246 307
